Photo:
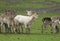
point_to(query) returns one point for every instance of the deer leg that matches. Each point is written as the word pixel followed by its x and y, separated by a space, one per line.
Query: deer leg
pixel 15 29
pixel 6 27
pixel 28 28
pixel 57 29
pixel 9 28
pixel 18 28
pixel 22 28
pixel 51 28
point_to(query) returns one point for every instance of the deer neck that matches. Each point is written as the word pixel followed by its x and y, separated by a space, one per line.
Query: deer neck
pixel 32 18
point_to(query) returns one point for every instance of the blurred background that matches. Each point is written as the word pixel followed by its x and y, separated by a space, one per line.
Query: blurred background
pixel 44 6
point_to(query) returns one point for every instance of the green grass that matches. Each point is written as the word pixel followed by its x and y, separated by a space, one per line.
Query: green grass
pixel 41 0
pixel 32 37
pixel 36 34
pixel 23 6
pixel 18 5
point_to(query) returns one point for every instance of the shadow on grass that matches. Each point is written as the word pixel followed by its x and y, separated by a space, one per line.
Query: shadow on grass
pixel 30 33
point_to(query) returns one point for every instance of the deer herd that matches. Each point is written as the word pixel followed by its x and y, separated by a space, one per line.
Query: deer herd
pixel 11 20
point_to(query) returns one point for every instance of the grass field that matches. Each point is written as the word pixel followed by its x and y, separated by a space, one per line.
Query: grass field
pixel 19 4
pixel 36 34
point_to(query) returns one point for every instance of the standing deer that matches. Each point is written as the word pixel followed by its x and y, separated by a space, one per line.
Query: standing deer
pixel 25 20
pixel 56 21
pixel 8 20
pixel 48 21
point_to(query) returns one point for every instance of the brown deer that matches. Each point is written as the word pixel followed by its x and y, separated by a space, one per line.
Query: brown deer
pixel 8 20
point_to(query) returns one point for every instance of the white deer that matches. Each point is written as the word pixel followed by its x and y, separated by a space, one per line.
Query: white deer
pixel 26 20
pixel 29 12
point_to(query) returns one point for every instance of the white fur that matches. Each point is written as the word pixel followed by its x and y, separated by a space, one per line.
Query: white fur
pixel 25 19
pixel 56 19
pixel 29 13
